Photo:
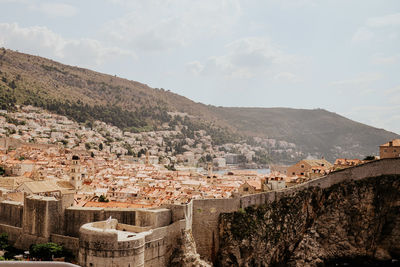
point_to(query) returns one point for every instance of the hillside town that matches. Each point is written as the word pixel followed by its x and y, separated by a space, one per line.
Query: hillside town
pixel 167 147
pixel 42 153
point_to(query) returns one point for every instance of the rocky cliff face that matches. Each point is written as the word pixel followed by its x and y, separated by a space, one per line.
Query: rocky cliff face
pixel 347 220
pixel 185 254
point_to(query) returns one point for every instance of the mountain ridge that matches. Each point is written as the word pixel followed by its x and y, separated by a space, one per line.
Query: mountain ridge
pixel 84 95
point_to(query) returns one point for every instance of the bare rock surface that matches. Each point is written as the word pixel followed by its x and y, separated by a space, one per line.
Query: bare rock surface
pixel 348 220
pixel 185 255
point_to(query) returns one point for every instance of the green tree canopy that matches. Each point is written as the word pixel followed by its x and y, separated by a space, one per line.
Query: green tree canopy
pixel 46 251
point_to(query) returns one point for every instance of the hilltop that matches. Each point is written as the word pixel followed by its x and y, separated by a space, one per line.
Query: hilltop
pixel 85 96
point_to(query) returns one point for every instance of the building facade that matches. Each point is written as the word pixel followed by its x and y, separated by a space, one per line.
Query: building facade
pixel 390 150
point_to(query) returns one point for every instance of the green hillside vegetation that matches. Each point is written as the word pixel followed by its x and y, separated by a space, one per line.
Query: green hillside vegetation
pixel 86 95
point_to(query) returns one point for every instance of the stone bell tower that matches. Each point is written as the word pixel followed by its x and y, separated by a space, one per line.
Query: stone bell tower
pixel 75 173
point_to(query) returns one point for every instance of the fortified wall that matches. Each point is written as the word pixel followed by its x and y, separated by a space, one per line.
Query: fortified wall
pixel 139 237
pixel 206 213
pixel 156 232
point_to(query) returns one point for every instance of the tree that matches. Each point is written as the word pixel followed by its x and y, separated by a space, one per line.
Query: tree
pixel 369 158
pixel 87 146
pixel 2 170
pixel 242 158
pixel 103 199
pixel 3 241
pixel 46 251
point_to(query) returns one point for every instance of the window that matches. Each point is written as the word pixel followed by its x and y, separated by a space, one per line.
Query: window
pixel 322 164
pixel 302 166
pixel 385 150
pixel 246 189
pixel 293 173
pixel 394 150
pixel 302 173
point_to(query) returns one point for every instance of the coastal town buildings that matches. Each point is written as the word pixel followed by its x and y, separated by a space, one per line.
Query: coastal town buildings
pixel 346 163
pixel 310 168
pixel 390 149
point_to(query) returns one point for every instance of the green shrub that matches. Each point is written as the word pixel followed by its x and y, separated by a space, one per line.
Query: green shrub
pixel 46 251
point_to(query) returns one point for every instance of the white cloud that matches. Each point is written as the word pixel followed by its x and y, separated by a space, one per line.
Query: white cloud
pixel 161 25
pixel 42 41
pixel 14 1
pixel 195 67
pixel 394 95
pixel 380 59
pixel 288 76
pixel 379 28
pixel 56 9
pixel 383 21
pixel 49 8
pixel 360 80
pixel 249 57
pixel 294 3
pixel 362 35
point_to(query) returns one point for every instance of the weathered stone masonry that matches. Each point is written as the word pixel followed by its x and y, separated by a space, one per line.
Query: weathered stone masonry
pixel 206 213
pixel 44 219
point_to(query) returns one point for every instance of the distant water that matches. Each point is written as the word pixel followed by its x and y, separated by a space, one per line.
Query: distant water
pixel 365 262
pixel 259 171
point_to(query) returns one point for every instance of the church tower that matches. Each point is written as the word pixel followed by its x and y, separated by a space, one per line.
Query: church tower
pixel 75 173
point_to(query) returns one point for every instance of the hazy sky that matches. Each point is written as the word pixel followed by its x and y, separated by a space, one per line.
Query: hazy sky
pixel 340 55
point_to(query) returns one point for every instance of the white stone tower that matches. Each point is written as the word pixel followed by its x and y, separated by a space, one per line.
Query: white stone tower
pixel 75 174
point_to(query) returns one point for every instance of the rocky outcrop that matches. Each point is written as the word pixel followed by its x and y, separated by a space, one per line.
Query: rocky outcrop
pixel 351 219
pixel 185 254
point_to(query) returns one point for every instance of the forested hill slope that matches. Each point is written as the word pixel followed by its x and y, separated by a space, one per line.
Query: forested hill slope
pixel 313 130
pixel 86 95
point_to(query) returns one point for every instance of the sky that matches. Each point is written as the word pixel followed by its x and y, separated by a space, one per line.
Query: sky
pixel 339 55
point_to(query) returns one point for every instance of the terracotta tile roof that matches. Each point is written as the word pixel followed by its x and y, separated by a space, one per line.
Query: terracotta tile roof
pixel 318 162
pixel 254 183
pixel 117 205
pixel 395 142
pixel 347 161
pixel 45 186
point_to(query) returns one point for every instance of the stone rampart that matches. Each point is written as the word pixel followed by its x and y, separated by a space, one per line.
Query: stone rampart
pixel 41 216
pixel 103 244
pixel 75 217
pixel 205 223
pixel 43 219
pixel 160 244
pixel 14 233
pixel 206 211
pixel 11 213
pixel 71 243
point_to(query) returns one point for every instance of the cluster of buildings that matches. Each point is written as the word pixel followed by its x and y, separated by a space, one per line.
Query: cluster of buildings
pixel 46 153
pixel 167 147
pixel 118 182
pixel 78 186
pixel 98 181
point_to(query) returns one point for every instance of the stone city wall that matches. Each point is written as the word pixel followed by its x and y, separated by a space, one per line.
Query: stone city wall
pixel 76 217
pixel 98 247
pixel 70 243
pixel 11 213
pixel 206 211
pixel 14 233
pixel 160 244
pixel 41 216
pixel 205 223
